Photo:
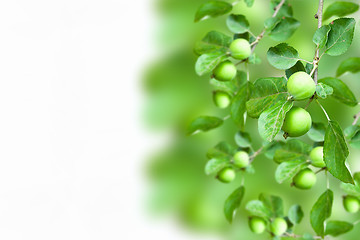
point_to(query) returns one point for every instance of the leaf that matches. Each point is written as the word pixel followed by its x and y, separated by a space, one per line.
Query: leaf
pixel 238 106
pixel 257 208
pixel 307 236
pixel 249 3
pixel 317 132
pixel 321 211
pixel 207 62
pixel 355 141
pixel 213 41
pixel 321 36
pixel 221 150
pixel 340 36
pixel 336 152
pixel 309 67
pixel 271 23
pixel 295 214
pixel 243 139
pixel 336 228
pixel 215 165
pixel 282 56
pixel 233 202
pixel 232 86
pixel 323 90
pixel 237 23
pixel 296 68
pixel 293 150
pixel 340 9
pixel 349 65
pixel 341 91
pixel 266 92
pixel 289 169
pixel 254 59
pixel 212 9
pixel 351 131
pixel 284 29
pixel 274 204
pixel 204 123
pixel 271 120
pixel 271 148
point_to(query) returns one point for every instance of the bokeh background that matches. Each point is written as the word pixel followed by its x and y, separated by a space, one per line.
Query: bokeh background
pixel 178 190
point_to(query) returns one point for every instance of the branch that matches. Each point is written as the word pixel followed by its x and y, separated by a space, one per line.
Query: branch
pixel 356 118
pixel 319 17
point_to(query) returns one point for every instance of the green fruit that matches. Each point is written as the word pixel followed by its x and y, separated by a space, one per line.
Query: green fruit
pixel 317 157
pixel 257 225
pixel 226 175
pixel 240 49
pixel 297 122
pixel 221 99
pixel 301 85
pixel 225 71
pixel 241 159
pixel 304 179
pixel 278 227
pixel 351 204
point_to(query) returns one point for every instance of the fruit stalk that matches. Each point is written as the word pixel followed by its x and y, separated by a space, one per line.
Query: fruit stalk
pixel 319 17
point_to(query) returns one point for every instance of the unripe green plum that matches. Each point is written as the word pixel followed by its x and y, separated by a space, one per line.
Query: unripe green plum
pixel 241 159
pixel 297 122
pixel 226 175
pixel 278 227
pixel 257 225
pixel 225 71
pixel 240 49
pixel 301 85
pixel 221 99
pixel 317 157
pixel 351 204
pixel 304 179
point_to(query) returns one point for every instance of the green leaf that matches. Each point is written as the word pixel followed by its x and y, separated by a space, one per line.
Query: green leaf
pixel 349 65
pixel 257 208
pixel 273 203
pixel 309 67
pixel 238 106
pixel 341 91
pixel 282 56
pixel 212 9
pixel 340 36
pixel 321 211
pixel 284 29
pixel 317 132
pixel 207 62
pixel 293 150
pixel 271 120
pixel 296 68
pixel 213 41
pixel 243 139
pixel 237 23
pixel 254 59
pixel 215 165
pixel 204 123
pixel 323 90
pixel 233 202
pixel 295 214
pixel 351 131
pixel 321 36
pixel 266 92
pixel 355 141
pixel 336 152
pixel 271 23
pixel 232 86
pixel 221 150
pixel 340 9
pixel 289 169
pixel 285 10
pixel 249 3
pixel 307 236
pixel 336 228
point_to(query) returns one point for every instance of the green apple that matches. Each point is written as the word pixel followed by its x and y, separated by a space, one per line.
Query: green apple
pixel 301 85
pixel 226 175
pixel 257 225
pixel 241 159
pixel 278 227
pixel 304 179
pixel 225 71
pixel 317 157
pixel 297 122
pixel 240 49
pixel 351 204
pixel 221 99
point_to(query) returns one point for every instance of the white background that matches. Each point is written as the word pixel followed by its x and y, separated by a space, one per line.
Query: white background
pixel 71 141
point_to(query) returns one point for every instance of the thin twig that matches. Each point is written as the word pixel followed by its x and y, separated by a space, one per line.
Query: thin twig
pixel 322 169
pixel 252 157
pixel 356 118
pixel 319 17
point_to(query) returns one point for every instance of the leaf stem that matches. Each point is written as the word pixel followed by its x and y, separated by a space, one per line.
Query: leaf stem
pixel 327 116
pixel 319 17
pixel 322 169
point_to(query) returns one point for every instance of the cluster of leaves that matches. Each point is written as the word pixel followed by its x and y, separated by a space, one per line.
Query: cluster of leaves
pixel 268 100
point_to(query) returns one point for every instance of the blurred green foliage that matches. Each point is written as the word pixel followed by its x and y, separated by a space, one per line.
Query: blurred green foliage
pixel 176 95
